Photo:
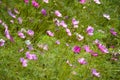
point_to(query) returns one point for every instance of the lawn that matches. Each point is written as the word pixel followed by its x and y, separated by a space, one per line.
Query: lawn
pixel 59 39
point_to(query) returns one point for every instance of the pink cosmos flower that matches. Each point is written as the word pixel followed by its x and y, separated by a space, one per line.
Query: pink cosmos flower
pixel 57 22
pixel 75 23
pixel 93 53
pixel 2 42
pixel 46 1
pixel 63 24
pixel 97 1
pixel 90 30
pixel 76 49
pixel 16 11
pixel 24 62
pixel 112 31
pixel 68 32
pixel 86 48
pixel 107 16
pixel 79 37
pixel 95 73
pixel 35 4
pixel 11 14
pixel 50 33
pixel 58 42
pixel 21 35
pixel 82 61
pixel 58 14
pixel 82 1
pixel 26 1
pixel 30 32
pixel 31 56
pixel 19 20
pixel 102 48
pixel 43 11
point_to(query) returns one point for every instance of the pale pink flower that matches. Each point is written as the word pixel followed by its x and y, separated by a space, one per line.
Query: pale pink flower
pixel 31 56
pixel 26 1
pixel 35 4
pixel 24 62
pixel 30 47
pixel 58 14
pixel 12 21
pixel 57 42
pixel 75 23
pixel 50 33
pixel 82 61
pixel 30 32
pixel 21 35
pixel 79 37
pixel 82 1
pixel 57 22
pixel 46 1
pixel 16 11
pixel 11 14
pixel 93 53
pixel 112 31
pixel 95 73
pixel 76 49
pixel 2 42
pixel 0 21
pixel 102 48
pixel 97 1
pixel 90 30
pixel 63 24
pixel 19 20
pixel 86 48
pixel 107 16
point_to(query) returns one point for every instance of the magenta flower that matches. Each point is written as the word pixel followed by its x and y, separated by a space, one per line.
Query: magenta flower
pixel 43 11
pixel 20 20
pixel 21 35
pixel 82 1
pixel 76 49
pixel 50 33
pixel 63 24
pixel 46 1
pixel 35 4
pixel 24 62
pixel 97 1
pixel 82 61
pixel 90 30
pixel 2 42
pixel 75 23
pixel 30 32
pixel 58 14
pixel 95 73
pixel 57 42
pixel 86 48
pixel 11 14
pixel 112 31
pixel 102 48
pixel 26 1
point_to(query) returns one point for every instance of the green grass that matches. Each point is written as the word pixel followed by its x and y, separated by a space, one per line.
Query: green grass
pixel 51 64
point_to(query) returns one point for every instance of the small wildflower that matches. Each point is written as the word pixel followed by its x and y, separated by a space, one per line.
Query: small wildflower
pixel 97 1
pixel 50 33
pixel 82 61
pixel 107 16
pixel 102 48
pixel 2 42
pixel 24 62
pixel 79 37
pixel 82 1
pixel 30 32
pixel 11 14
pixel 35 4
pixel 20 20
pixel 26 1
pixel 75 23
pixel 21 35
pixel 58 42
pixel 58 14
pixel 43 11
pixel 95 73
pixel 87 48
pixel 76 49
pixel 90 30
pixel 27 42
pixel 46 1
pixel 63 24
pixel 112 31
